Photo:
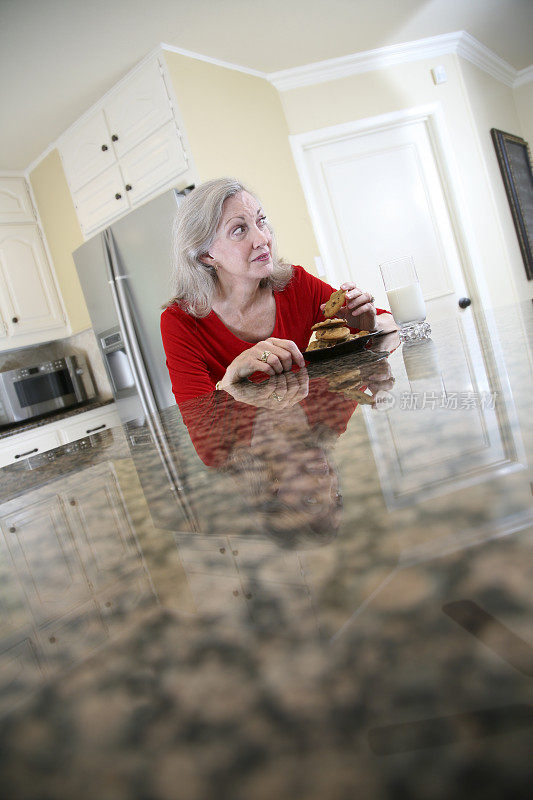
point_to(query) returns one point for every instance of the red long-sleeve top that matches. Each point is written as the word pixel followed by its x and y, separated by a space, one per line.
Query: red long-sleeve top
pixel 199 350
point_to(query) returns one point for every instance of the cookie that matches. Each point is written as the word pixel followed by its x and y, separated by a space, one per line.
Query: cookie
pixel 329 323
pixel 334 304
pixel 332 334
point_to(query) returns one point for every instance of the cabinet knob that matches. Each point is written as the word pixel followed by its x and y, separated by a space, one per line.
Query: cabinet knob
pixel 128 187
pixel 235 552
pixel 464 302
pixel 118 196
pixel 15 319
pixel 114 138
pixel 72 502
pixel 236 592
pixel 52 639
pixel 222 550
pixel 104 147
pixel 12 529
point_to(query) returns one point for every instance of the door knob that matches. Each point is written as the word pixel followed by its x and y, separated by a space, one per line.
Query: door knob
pixel 464 302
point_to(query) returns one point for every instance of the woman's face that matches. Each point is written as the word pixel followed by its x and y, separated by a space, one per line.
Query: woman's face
pixel 242 246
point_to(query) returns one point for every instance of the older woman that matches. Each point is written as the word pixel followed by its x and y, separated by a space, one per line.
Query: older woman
pixel 237 309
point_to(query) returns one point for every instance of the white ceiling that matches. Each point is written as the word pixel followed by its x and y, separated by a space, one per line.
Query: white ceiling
pixel 57 57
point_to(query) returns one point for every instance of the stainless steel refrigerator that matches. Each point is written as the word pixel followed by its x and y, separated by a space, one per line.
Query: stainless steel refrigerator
pixel 125 277
pixel 124 274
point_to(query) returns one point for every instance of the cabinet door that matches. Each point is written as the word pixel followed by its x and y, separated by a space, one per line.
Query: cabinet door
pixel 17 448
pixel 102 200
pixel 44 556
pixel 138 108
pixel 87 424
pixel 72 638
pixel 83 153
pixel 15 203
pixel 28 296
pixel 153 163
pixel 98 520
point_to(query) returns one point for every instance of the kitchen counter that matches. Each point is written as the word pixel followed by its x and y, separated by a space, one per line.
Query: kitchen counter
pixel 323 599
pixel 38 422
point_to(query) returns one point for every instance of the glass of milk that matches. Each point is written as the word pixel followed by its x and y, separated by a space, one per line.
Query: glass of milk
pixel 405 298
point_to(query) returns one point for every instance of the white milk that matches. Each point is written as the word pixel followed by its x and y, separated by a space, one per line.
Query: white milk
pixel 407 304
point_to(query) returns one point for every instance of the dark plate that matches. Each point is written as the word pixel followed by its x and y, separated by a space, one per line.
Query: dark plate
pixel 351 346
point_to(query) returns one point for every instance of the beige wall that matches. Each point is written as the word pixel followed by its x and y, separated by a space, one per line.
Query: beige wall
pixel 236 126
pixel 493 106
pixel 407 86
pixel 523 96
pixel 63 234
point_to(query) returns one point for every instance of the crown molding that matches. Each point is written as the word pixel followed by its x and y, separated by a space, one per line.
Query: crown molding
pixel 216 61
pixel 366 61
pixel 471 50
pixel 524 76
pixel 460 43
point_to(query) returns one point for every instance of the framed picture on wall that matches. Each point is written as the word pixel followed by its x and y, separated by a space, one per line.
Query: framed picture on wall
pixel 515 165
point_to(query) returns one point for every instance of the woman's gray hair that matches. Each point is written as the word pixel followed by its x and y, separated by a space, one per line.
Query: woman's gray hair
pixel 193 282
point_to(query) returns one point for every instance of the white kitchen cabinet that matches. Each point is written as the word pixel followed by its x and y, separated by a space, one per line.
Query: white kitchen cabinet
pixel 128 148
pixel 102 200
pixel 15 202
pixel 89 423
pixel 29 303
pixel 39 440
pixel 138 108
pixel 149 165
pixel 23 445
pixel 88 151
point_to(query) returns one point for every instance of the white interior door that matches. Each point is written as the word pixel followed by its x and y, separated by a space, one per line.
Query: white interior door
pixel 377 195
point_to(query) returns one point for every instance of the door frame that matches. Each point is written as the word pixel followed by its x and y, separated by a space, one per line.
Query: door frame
pixel 432 115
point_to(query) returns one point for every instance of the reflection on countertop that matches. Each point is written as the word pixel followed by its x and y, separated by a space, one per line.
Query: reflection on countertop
pixel 329 598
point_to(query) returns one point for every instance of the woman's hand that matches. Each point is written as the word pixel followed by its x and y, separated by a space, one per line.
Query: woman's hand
pixel 359 310
pixel 281 391
pixel 271 356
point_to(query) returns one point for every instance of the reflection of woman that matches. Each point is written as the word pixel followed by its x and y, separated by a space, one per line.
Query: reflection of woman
pixel 275 438
pixel 289 478
pixel 237 309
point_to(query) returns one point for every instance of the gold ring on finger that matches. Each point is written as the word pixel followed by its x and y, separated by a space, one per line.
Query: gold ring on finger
pixel 264 356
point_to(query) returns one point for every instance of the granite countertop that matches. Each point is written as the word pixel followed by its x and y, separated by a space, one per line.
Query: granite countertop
pixel 37 422
pixel 319 588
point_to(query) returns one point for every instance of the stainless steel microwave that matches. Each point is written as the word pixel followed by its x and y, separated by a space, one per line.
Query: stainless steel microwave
pixel 43 388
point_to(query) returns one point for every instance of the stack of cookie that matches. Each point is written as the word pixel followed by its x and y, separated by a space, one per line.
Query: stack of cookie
pixel 329 333
pixel 332 330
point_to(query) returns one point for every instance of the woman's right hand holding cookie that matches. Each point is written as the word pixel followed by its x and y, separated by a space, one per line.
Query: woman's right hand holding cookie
pixel 271 356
